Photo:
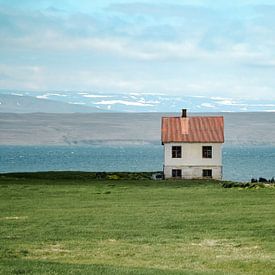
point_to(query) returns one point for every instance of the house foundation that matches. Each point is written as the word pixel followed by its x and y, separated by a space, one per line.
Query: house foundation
pixel 193 172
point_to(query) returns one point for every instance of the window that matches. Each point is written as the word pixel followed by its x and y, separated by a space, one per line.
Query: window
pixel 176 173
pixel 207 152
pixel 176 152
pixel 207 173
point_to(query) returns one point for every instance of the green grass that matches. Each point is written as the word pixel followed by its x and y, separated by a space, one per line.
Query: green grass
pixel 53 224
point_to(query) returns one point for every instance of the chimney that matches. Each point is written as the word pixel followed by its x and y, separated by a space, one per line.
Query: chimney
pixel 184 113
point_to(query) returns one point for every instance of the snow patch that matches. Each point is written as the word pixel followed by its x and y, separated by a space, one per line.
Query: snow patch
pixel 96 96
pixel 77 103
pixel 42 96
pixel 124 102
pixel 57 95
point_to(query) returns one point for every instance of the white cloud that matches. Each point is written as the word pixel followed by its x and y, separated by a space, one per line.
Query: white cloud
pixel 180 53
pixel 198 96
pixel 229 102
pixel 207 105
pixel 262 105
pixel 126 47
pixel 220 98
pixel 22 77
pixel 226 102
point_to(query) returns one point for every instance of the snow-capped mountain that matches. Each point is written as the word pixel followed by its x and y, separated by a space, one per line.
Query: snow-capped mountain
pixel 151 102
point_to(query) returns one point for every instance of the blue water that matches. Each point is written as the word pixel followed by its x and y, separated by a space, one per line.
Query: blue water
pixel 240 163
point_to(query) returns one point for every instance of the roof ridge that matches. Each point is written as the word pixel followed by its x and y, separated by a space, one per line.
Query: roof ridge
pixel 193 117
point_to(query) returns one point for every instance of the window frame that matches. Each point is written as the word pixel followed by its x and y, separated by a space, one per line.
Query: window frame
pixel 207 152
pixel 176 152
pixel 176 173
pixel 207 173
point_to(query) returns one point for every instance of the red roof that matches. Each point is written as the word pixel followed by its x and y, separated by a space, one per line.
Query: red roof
pixel 192 129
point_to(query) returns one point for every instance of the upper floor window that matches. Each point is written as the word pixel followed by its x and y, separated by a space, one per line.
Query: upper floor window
pixel 207 152
pixel 176 151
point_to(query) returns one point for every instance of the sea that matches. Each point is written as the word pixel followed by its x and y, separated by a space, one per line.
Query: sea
pixel 240 162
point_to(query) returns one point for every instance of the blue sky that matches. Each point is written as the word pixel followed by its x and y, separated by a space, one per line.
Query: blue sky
pixel 198 48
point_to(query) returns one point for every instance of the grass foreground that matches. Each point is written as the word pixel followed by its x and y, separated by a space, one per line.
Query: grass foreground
pixel 81 224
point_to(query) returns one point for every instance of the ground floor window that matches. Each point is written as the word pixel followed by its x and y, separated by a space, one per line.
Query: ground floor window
pixel 176 173
pixel 207 173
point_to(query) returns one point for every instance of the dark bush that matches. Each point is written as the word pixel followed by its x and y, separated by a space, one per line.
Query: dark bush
pixel 230 184
pixel 75 175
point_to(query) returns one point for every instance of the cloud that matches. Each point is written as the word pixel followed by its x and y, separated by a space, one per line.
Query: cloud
pixel 87 34
pixel 22 76
pixel 196 48
pixel 229 102
pixel 208 105
pixel 262 105
pixel 164 10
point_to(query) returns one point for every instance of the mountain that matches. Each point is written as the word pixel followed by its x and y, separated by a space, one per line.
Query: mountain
pixel 151 102
pixel 121 128
pixel 29 104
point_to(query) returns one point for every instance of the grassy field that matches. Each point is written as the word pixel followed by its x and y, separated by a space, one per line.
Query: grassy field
pixel 81 225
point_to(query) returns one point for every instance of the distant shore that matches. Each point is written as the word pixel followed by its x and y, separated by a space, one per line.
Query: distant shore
pixel 121 128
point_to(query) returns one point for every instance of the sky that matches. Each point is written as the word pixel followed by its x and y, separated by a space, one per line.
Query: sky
pixel 192 48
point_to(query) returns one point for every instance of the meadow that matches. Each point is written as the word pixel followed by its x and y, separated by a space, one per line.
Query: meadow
pixel 58 224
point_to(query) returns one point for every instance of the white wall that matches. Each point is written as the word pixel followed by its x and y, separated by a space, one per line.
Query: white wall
pixel 191 172
pixel 192 154
pixel 192 163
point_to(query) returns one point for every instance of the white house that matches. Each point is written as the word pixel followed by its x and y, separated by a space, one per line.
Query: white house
pixel 192 146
